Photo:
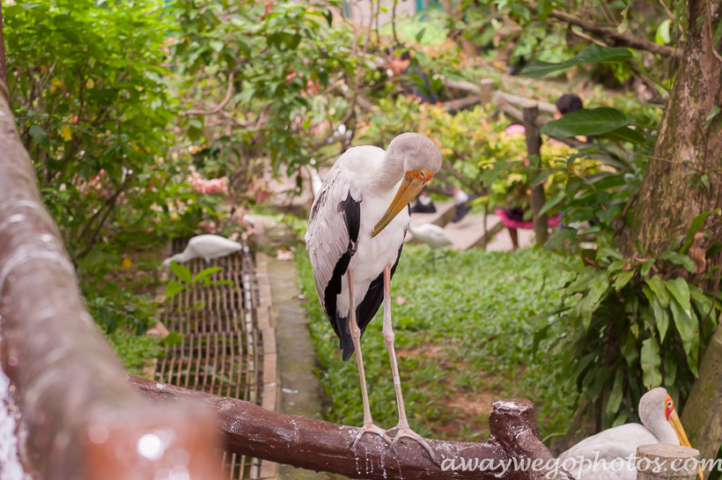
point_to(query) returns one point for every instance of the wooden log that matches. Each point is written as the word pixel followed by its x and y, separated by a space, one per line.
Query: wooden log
pixel 513 425
pixel 538 197
pixel 702 415
pixel 670 462
pixel 486 91
pixel 322 446
pixel 459 104
pixel 83 419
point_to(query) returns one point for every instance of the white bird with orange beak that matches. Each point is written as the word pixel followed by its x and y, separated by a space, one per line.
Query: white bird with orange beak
pixel 355 234
pixel 606 455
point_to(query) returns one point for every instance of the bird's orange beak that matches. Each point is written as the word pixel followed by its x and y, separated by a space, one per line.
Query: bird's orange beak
pixel 411 185
pixel 673 420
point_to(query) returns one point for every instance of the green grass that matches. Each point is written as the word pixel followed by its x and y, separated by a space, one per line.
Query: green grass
pixel 135 350
pixel 463 337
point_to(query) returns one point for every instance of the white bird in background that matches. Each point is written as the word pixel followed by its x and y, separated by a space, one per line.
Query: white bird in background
pixel 206 247
pixel 316 181
pixel 355 234
pixel 660 424
pixel 432 235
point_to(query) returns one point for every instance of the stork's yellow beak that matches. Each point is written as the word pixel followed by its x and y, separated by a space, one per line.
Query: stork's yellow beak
pixel 681 434
pixel 411 185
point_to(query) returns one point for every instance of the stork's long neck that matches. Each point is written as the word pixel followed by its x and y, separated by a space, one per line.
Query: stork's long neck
pixel 178 257
pixel 390 172
pixel 661 428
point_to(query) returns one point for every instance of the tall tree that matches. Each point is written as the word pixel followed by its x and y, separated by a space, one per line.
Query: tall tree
pixel 684 175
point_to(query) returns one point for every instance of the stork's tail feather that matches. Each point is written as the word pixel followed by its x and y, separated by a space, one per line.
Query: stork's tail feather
pixel 347 346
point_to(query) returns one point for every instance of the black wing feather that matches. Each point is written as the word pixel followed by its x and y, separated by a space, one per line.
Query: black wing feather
pixel 366 310
pixel 351 211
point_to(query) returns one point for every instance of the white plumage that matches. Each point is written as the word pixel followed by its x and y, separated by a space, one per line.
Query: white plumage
pixel 432 235
pixel 206 247
pixel 316 181
pixel 356 230
pixel 607 454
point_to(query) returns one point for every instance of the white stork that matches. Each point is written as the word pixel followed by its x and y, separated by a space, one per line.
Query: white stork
pixel 614 448
pixel 355 234
pixel 432 235
pixel 206 247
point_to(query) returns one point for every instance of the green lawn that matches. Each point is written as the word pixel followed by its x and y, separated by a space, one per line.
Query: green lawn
pixel 463 338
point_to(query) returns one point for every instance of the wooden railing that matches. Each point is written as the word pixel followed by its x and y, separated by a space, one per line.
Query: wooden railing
pixel 84 420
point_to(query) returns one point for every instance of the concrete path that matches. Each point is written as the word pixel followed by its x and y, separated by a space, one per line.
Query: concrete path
pixel 300 390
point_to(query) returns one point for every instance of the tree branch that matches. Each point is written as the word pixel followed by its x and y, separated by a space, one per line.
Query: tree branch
pixel 611 34
pixel 220 106
pixel 322 446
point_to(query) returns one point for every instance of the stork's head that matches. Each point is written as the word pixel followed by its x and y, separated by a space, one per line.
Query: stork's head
pixel 420 159
pixel 657 412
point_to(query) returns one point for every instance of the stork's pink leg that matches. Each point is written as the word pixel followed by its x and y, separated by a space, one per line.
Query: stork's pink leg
pixel 403 430
pixel 368 426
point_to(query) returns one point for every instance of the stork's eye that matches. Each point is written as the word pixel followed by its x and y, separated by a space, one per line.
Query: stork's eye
pixel 424 175
pixel 669 404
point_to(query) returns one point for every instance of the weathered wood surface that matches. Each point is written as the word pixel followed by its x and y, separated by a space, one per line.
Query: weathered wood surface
pixel 669 462
pixel 83 419
pixel 513 425
pixel 322 446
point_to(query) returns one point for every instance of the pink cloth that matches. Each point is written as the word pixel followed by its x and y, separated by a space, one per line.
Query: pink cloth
pixel 522 225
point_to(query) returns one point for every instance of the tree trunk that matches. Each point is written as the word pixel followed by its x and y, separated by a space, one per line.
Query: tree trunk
pixel 538 197
pixel 683 178
pixel 702 414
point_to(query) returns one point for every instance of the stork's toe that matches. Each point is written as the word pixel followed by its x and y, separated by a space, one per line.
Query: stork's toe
pixel 406 432
pixel 371 428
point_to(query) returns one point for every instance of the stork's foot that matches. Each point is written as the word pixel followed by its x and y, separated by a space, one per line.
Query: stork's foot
pixel 370 428
pixel 406 432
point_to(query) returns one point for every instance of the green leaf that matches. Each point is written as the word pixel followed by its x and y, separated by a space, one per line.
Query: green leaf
pixel 625 134
pixel 553 202
pixel 615 396
pixel 205 273
pixel 685 326
pixel 595 121
pixel 173 338
pixel 37 133
pixel 657 286
pixel 662 36
pixel 561 236
pixel 670 369
pixel 650 363
pixel 623 279
pixel 182 272
pixel 661 317
pixel 591 54
pixel 712 113
pixel 717 34
pixel 328 15
pixel 173 288
pixel 216 45
pixel 646 266
pixel 680 291
pixel 680 259
pixel 420 35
